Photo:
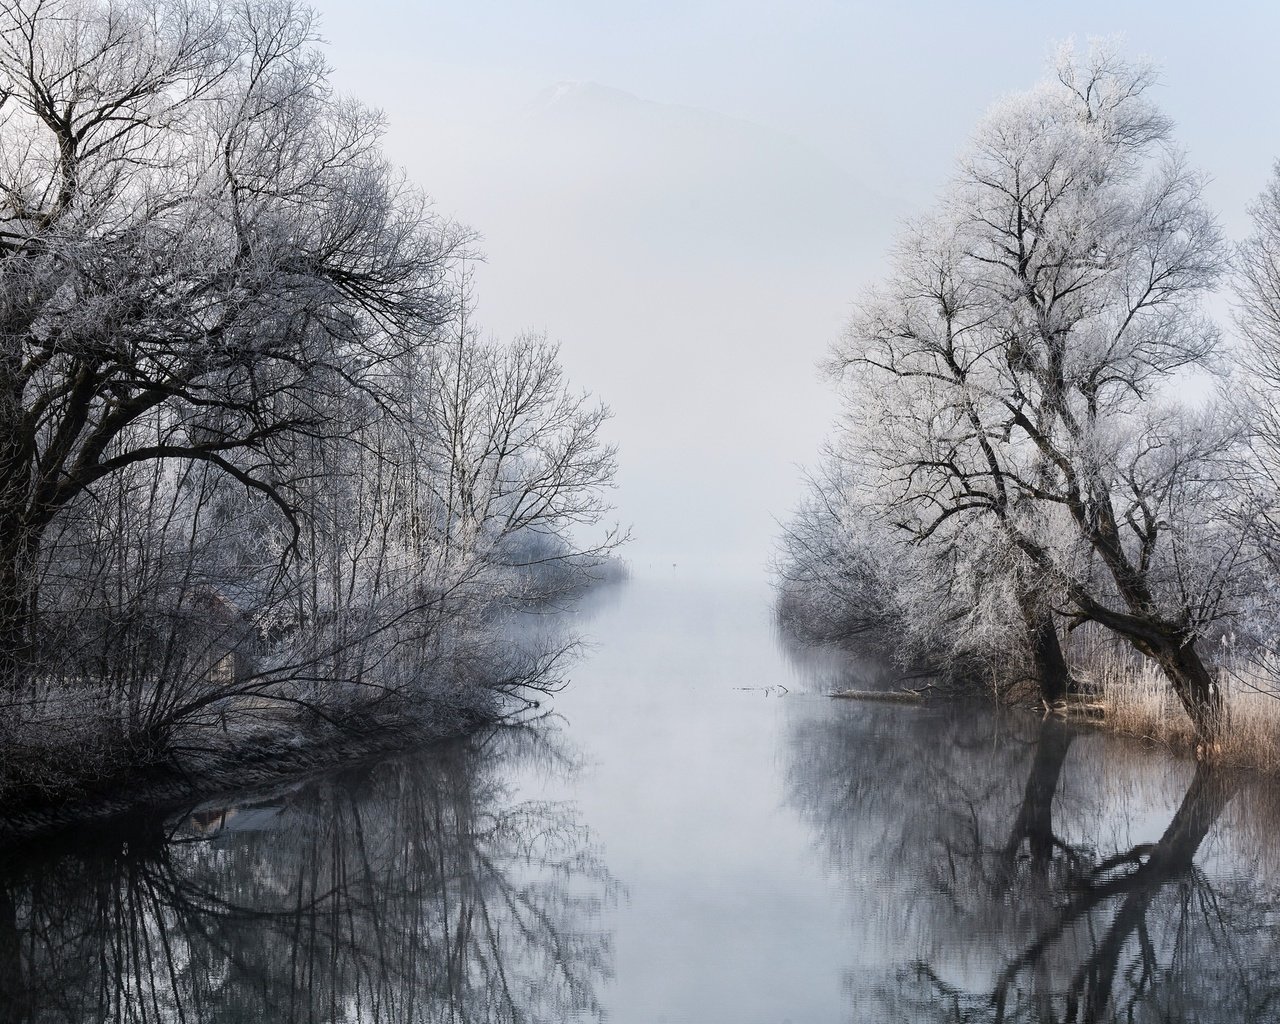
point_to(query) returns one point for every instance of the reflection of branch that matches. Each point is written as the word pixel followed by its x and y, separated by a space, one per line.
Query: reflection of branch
pixel 1167 860
pixel 1134 856
pixel 401 890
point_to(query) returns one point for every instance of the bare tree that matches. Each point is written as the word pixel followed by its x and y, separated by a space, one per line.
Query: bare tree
pixel 1257 389
pixel 1009 373
pixel 254 460
pixel 517 456
pixel 194 224
pixel 951 607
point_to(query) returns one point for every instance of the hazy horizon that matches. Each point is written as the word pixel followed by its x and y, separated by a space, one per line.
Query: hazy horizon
pixel 689 199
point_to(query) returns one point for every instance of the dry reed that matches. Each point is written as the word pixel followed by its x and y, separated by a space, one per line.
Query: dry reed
pixel 1136 699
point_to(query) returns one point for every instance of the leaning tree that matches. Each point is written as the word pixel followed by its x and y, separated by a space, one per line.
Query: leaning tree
pixel 1010 371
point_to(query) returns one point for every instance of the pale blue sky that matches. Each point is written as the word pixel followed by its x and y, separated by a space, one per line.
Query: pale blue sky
pixel 696 268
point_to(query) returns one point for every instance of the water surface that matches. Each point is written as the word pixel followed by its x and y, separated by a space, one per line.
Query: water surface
pixel 696 833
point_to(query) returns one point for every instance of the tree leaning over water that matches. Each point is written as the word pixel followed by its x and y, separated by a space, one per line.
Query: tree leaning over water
pixel 1003 389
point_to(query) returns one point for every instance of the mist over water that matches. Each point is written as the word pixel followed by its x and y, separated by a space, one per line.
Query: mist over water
pixel 691 282
pixel 767 855
pixel 690 197
pixel 692 830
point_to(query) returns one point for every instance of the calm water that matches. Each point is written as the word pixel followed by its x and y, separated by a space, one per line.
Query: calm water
pixel 696 835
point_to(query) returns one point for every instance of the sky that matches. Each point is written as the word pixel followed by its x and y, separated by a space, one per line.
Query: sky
pixel 688 196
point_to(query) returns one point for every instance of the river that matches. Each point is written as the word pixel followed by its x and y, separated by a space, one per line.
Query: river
pixel 694 832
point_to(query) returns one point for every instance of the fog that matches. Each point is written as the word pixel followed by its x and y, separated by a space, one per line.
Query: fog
pixel 688 197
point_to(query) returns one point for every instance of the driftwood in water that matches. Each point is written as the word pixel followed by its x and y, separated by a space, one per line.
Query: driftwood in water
pixel 892 696
pixel 1076 706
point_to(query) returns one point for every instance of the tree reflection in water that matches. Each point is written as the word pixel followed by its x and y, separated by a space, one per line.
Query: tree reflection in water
pixel 415 889
pixel 1014 875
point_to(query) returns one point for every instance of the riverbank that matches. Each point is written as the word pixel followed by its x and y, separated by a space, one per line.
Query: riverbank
pixel 226 762
pixel 75 754
pixel 594 862
pixel 1132 697
pixel 1119 692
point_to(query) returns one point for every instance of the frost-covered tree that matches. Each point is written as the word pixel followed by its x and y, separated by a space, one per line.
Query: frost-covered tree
pixel 199 240
pixel 1006 378
pixel 515 458
pixel 252 453
pixel 1257 388
pixel 942 604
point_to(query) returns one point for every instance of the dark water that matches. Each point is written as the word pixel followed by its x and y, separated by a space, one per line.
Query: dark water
pixel 698 835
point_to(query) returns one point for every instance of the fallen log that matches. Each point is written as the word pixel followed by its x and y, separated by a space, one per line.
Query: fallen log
pixel 1076 707
pixel 891 696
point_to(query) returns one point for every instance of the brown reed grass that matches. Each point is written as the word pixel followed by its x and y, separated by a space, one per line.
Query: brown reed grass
pixel 1137 700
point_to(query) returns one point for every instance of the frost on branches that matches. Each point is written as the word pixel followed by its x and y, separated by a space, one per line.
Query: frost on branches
pixel 1011 439
pixel 253 458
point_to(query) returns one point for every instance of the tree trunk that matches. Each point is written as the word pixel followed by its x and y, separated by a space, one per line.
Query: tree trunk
pixel 14 606
pixel 1196 688
pixel 1046 650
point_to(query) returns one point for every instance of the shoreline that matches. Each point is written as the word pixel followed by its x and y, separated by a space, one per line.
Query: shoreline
pixel 253 761
pixel 1121 698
